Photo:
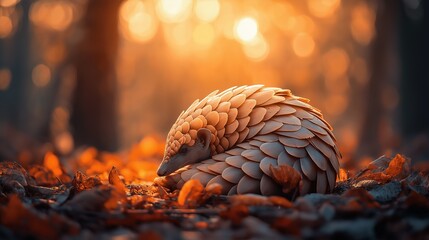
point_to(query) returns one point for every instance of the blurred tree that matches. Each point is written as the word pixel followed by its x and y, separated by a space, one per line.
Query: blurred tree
pixel 94 115
pixel 414 87
pixel 382 58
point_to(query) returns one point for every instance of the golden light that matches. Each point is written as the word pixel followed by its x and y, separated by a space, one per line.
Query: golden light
pixel 246 29
pixel 226 20
pixel 136 23
pixel 151 145
pixel 5 77
pixel 129 8
pixel 204 35
pixel 303 23
pixel 337 104
pixel 8 3
pixel 207 10
pixel 5 26
pixel 323 8
pixel 41 75
pixel 362 24
pixel 335 64
pixel 55 15
pixel 142 27
pixel 174 10
pixel 282 15
pixel 303 44
pixel 178 36
pixel 257 50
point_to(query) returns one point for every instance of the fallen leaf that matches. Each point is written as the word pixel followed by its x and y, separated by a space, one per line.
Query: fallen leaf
pixel 287 177
pixel 250 200
pixel 81 182
pixel 43 176
pixel 190 194
pixel 214 189
pixel 92 200
pixel 26 222
pixel 116 181
pixel 342 175
pixel 52 163
pixel 399 167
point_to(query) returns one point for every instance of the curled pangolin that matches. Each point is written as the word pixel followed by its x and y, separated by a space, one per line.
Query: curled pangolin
pixel 231 138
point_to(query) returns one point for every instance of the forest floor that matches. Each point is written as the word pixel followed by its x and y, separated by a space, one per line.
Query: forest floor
pixel 96 195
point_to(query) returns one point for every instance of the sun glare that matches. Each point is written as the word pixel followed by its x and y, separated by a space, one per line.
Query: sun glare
pixel 246 29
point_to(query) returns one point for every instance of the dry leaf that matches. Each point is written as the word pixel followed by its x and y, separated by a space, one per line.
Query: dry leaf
pixel 342 175
pixel 250 200
pixel 286 176
pixel 26 222
pixel 399 167
pixel 44 176
pixel 191 194
pixel 94 199
pixel 214 189
pixel 116 181
pixel 81 182
pixel 52 163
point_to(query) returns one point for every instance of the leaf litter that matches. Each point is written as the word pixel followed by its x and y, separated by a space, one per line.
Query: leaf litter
pixel 387 199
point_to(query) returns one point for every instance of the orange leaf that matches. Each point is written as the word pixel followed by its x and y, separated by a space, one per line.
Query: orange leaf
pixel 286 176
pixel 52 163
pixel 116 181
pixel 342 175
pixel 190 194
pixel 399 167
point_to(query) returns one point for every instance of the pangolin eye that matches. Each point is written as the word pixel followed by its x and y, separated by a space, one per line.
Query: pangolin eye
pixel 183 150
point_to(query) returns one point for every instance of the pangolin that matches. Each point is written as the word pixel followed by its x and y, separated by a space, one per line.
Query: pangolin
pixel 231 138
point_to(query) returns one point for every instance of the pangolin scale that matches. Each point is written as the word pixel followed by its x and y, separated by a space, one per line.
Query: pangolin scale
pixel 231 138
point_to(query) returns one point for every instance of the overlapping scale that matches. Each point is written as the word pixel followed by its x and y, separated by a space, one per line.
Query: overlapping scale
pixel 253 128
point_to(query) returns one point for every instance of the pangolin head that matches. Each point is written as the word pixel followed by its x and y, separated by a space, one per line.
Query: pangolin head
pixel 189 140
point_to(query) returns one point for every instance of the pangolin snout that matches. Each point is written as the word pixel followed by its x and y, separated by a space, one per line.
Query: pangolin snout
pixel 162 170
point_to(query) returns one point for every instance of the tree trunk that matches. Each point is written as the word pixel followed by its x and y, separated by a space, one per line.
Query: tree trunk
pixel 94 116
pixel 381 60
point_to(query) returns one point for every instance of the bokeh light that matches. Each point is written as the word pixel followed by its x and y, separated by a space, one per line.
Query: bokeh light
pixel 5 78
pixel 178 36
pixel 336 104
pixel 246 29
pixel 335 64
pixel 303 44
pixel 55 15
pixel 5 26
pixel 258 49
pixel 362 24
pixel 174 10
pixel 323 8
pixel 137 23
pixel 207 10
pixel 282 15
pixel 41 75
pixel 204 35
pixel 8 3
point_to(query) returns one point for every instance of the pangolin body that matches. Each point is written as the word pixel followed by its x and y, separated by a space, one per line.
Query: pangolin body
pixel 231 138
